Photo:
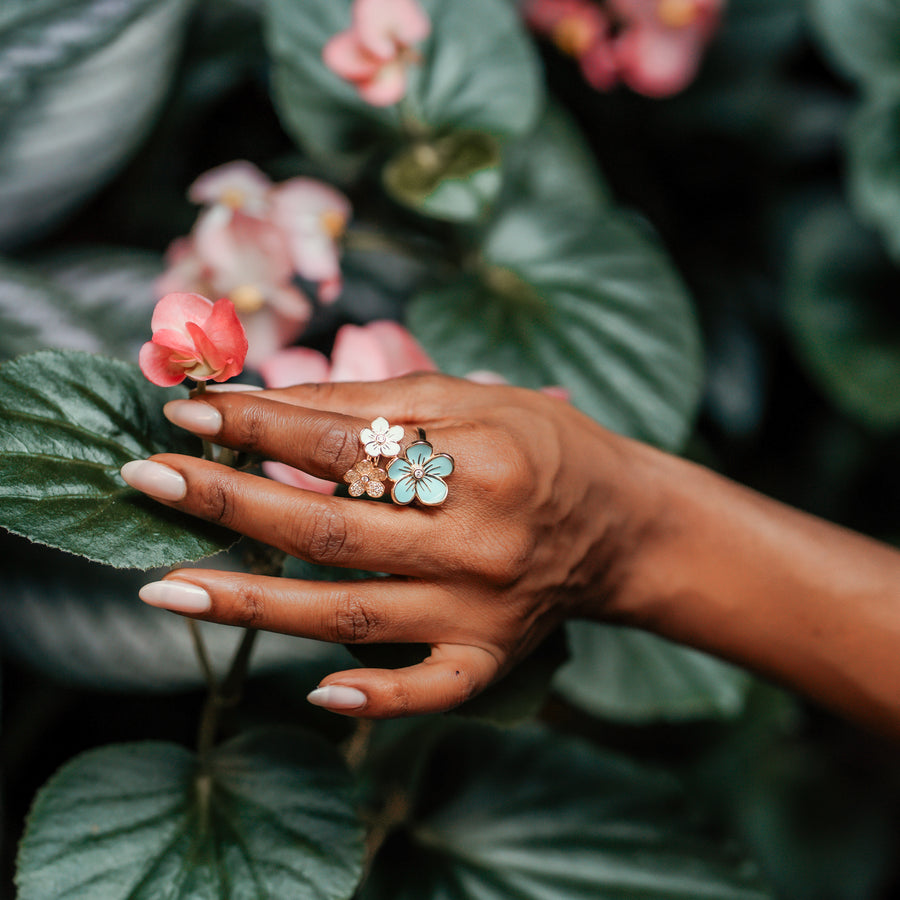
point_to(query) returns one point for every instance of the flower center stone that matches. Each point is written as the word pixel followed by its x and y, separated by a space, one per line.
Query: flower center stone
pixel 418 473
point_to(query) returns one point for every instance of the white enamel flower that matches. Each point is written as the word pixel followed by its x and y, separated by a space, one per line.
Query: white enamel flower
pixel 382 439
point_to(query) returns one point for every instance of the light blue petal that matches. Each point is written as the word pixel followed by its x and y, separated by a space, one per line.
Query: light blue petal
pixel 404 490
pixel 398 469
pixel 440 464
pixel 431 491
pixel 417 453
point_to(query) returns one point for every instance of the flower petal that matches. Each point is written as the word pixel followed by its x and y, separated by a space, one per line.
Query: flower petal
pixel 357 489
pixel 404 491
pixel 173 310
pixel 375 489
pixel 439 464
pixel 419 452
pixel 398 469
pixel 380 425
pixel 431 491
pixel 156 364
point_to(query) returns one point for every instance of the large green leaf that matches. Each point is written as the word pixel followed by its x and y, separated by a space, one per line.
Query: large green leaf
pixel 80 85
pixel 587 302
pixel 874 166
pixel 841 296
pixel 479 72
pixel 270 817
pixel 83 624
pixel 68 422
pixel 535 816
pixel 862 37
pixel 99 300
pixel 633 676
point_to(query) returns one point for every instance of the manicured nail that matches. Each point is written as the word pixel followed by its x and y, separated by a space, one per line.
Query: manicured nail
pixel 337 696
pixel 179 596
pixel 194 415
pixel 225 388
pixel 155 479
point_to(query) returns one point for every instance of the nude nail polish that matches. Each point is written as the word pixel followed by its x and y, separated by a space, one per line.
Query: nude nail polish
pixel 337 696
pixel 155 479
pixel 232 387
pixel 194 415
pixel 178 596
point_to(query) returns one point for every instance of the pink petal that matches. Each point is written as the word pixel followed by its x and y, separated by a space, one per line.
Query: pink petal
pixel 179 342
pixel 600 66
pixel 239 185
pixel 306 199
pixel 296 478
pixel 377 351
pixel 658 62
pixel 267 333
pixel 387 87
pixel 296 365
pixel 173 310
pixel 208 354
pixel 347 57
pixel 557 391
pixel 384 25
pixel 226 333
pixel 330 289
pixel 157 365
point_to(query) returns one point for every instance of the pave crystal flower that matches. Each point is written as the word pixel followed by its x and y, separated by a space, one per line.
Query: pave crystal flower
pixel 420 475
pixel 382 439
pixel 366 478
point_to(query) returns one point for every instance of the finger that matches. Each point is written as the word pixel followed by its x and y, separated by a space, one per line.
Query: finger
pixel 406 397
pixel 327 530
pixel 353 612
pixel 321 443
pixel 451 675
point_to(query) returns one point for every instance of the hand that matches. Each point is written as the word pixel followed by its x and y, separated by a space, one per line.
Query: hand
pixel 532 531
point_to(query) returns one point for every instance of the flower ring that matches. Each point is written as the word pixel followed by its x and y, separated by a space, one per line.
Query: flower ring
pixel 366 478
pixel 419 475
pixel 382 439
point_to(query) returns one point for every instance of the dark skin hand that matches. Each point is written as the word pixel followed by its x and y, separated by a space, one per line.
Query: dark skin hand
pixel 549 517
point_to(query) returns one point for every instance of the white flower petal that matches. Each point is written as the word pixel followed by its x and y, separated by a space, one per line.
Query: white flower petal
pixel 373 448
pixel 390 448
pixel 366 435
pixel 395 433
pixel 380 425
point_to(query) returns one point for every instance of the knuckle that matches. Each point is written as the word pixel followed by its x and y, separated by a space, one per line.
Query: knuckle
pixel 216 500
pixel 399 700
pixel 334 445
pixel 321 537
pixel 354 620
pixel 508 558
pixel 251 427
pixel 250 606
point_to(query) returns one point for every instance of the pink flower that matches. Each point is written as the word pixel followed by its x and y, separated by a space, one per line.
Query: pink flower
pixel 580 29
pixel 661 44
pixel 375 51
pixel 372 352
pixel 653 46
pixel 193 337
pixel 250 241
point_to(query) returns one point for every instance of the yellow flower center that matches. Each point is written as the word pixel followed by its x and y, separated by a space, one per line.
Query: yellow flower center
pixel 233 197
pixel 677 13
pixel 572 35
pixel 333 223
pixel 247 298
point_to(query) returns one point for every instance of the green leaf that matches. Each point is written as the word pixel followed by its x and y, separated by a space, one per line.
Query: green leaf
pixel 633 676
pixel 98 300
pixel 533 815
pixel 455 177
pixel 479 72
pixel 81 84
pixel 68 422
pixel 874 167
pixel 554 165
pixel 841 308
pixel 862 37
pixel 271 816
pixel 586 302
pixel 83 624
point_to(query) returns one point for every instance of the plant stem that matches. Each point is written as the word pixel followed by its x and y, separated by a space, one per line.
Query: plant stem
pixel 202 655
pixel 199 389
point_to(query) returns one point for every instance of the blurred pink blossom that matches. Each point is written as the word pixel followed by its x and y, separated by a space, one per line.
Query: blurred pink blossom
pixel 193 337
pixel 250 241
pixel 372 352
pixel 375 51
pixel 653 46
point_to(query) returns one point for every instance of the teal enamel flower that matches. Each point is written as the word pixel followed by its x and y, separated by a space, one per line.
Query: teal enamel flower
pixel 419 475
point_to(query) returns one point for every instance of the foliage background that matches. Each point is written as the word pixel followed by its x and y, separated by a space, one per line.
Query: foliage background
pixel 773 183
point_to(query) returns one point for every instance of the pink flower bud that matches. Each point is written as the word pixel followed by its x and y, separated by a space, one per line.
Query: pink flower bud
pixel 193 337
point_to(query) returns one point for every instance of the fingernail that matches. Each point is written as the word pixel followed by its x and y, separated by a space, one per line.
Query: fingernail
pixel 337 696
pixel 179 596
pixel 155 479
pixel 194 415
pixel 225 388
